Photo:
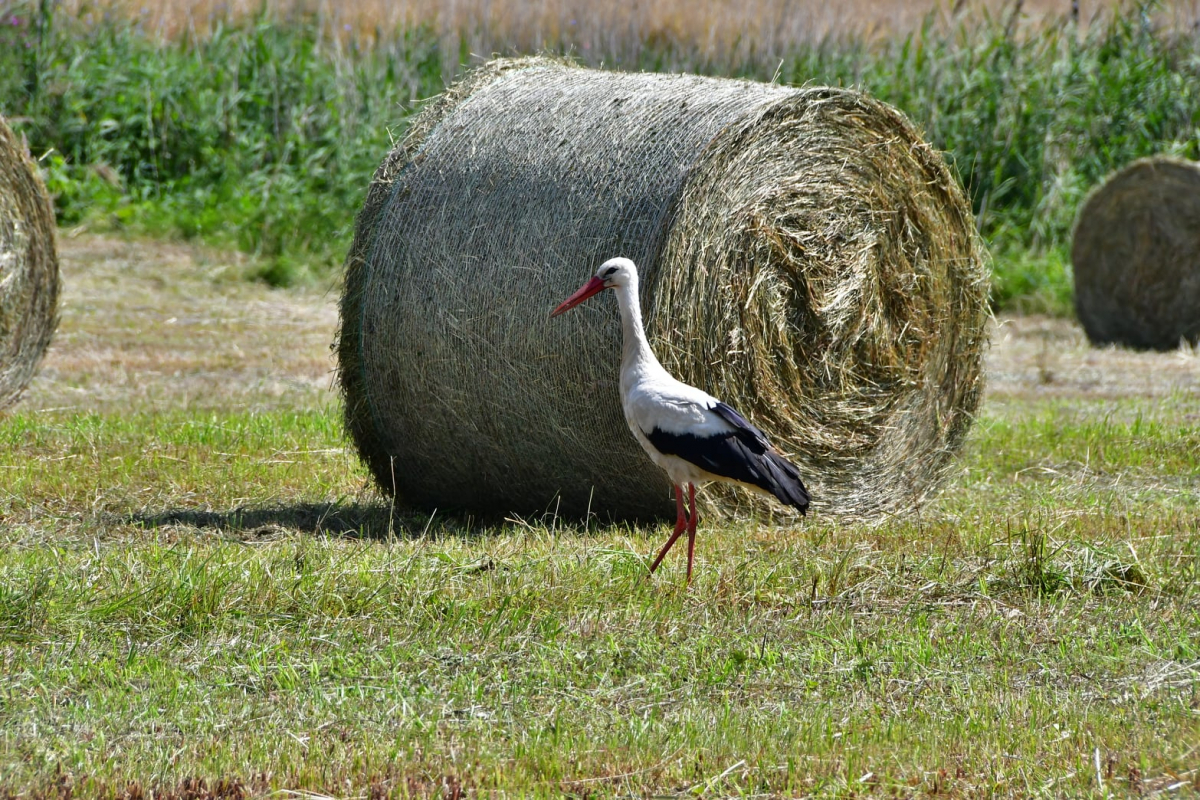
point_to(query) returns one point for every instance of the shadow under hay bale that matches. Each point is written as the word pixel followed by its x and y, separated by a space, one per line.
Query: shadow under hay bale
pixel 805 256
pixel 1136 256
pixel 28 268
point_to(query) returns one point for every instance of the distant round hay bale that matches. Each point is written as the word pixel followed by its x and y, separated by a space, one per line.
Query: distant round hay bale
pixel 1136 256
pixel 28 267
pixel 805 256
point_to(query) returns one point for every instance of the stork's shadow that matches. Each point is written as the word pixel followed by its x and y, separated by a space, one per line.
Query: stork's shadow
pixel 348 520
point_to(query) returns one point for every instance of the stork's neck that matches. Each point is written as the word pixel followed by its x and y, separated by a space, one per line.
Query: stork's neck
pixel 636 355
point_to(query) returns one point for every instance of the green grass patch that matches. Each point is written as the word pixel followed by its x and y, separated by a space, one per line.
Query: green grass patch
pixel 83 460
pixel 1026 281
pixel 220 599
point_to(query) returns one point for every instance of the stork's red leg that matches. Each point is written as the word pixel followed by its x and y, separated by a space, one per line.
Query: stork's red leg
pixel 680 524
pixel 691 526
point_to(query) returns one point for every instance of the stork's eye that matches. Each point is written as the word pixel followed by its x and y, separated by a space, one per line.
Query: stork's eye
pixel 609 272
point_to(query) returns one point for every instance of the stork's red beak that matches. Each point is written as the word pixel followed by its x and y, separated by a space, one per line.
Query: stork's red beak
pixel 594 286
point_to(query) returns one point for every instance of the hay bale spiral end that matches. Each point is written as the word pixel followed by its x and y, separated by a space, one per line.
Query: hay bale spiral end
pixel 1136 256
pixel 28 267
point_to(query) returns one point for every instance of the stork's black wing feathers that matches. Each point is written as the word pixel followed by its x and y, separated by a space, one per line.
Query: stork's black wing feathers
pixel 743 455
pixel 746 431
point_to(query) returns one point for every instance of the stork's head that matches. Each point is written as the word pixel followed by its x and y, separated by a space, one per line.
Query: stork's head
pixel 612 274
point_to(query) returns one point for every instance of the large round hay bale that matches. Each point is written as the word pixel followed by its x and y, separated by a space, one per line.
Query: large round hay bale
pixel 1136 256
pixel 805 256
pixel 28 267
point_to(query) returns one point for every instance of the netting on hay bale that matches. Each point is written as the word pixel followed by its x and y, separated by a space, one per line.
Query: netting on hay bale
pixel 805 256
pixel 28 267
pixel 1136 256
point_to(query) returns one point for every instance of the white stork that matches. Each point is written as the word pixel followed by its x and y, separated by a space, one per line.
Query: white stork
pixel 692 435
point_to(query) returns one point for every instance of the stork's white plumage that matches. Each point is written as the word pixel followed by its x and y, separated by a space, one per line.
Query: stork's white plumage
pixel 692 435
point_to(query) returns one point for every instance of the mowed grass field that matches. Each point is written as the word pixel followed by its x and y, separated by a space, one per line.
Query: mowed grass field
pixel 202 595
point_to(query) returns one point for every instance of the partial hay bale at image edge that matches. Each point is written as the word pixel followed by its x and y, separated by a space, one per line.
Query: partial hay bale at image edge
pixel 1136 256
pixel 28 268
pixel 805 256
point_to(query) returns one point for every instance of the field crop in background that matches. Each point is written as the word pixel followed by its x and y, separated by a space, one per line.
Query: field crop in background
pixel 719 31
pixel 262 130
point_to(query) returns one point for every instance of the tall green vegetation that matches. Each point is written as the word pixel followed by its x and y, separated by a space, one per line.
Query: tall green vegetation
pixel 264 133
pixel 1033 123
pixel 256 135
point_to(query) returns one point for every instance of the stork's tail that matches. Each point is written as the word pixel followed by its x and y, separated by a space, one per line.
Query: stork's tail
pixel 783 481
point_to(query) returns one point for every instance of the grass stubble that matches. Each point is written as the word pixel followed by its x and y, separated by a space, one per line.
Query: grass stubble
pixel 200 595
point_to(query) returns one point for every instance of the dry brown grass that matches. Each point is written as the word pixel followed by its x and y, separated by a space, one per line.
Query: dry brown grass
pixel 1039 358
pixel 715 27
pixel 149 326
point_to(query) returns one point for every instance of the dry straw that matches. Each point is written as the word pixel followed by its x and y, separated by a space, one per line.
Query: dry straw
pixel 804 256
pixel 28 267
pixel 1136 256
